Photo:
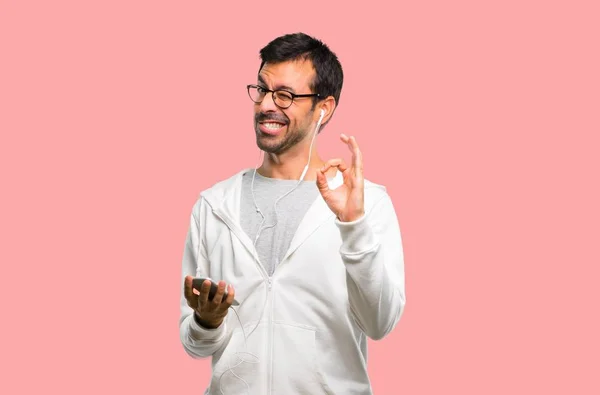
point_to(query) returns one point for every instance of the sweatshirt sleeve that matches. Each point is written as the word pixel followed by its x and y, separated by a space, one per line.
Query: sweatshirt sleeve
pixel 373 255
pixel 197 341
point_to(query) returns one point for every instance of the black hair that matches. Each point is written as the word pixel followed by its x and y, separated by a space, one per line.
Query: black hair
pixel 299 46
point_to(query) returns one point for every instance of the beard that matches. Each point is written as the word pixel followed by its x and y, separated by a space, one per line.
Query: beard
pixel 281 143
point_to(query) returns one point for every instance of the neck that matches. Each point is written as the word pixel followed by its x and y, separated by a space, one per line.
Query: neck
pixel 289 165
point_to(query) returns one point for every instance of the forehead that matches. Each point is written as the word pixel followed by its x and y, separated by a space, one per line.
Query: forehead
pixel 297 74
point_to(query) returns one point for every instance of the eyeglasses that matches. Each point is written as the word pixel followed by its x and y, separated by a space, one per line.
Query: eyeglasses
pixel 282 99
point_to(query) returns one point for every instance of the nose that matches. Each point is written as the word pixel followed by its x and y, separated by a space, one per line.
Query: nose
pixel 268 103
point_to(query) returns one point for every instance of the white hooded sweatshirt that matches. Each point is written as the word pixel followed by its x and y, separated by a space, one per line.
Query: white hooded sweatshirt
pixel 304 329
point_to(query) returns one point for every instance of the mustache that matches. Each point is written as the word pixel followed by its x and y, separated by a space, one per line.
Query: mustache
pixel 261 117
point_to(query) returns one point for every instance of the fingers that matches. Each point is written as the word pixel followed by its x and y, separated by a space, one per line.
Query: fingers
pixel 338 162
pixel 208 303
pixel 357 160
pixel 201 301
pixel 322 179
pixel 211 310
pixel 187 287
pixel 322 184
pixel 189 292
pixel 230 295
pixel 218 298
pixel 357 157
pixel 204 291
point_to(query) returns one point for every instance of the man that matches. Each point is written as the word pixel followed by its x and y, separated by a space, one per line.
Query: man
pixel 309 249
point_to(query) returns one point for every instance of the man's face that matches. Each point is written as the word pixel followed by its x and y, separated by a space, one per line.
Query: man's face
pixel 278 129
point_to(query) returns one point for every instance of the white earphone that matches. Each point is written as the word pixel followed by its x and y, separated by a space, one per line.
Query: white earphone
pixel 323 112
pixel 260 229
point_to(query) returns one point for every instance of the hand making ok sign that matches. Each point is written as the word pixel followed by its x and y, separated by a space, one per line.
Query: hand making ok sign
pixel 347 200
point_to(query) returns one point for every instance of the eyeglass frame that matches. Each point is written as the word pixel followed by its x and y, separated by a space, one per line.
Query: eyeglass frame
pixel 266 90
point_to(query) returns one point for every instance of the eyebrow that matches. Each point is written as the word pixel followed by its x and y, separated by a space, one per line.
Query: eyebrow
pixel 284 87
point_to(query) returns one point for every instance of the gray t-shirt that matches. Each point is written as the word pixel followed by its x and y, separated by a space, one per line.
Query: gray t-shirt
pixel 276 235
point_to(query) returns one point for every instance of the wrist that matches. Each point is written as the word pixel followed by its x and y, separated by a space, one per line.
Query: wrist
pixel 205 323
pixel 351 218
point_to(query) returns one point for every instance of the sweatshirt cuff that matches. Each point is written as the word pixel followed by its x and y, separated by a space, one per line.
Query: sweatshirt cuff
pixel 198 332
pixel 357 236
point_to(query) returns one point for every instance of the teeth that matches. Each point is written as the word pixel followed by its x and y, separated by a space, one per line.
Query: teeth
pixel 272 125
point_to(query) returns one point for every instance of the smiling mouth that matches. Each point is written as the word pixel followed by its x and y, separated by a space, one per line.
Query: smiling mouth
pixel 272 125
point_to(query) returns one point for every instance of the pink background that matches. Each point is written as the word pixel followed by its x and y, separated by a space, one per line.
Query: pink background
pixel 481 118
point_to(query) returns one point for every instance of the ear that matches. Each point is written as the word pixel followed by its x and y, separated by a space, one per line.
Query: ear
pixel 328 105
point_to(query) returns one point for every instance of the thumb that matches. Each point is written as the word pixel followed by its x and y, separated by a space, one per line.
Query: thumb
pixel 189 293
pixel 322 183
pixel 187 283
